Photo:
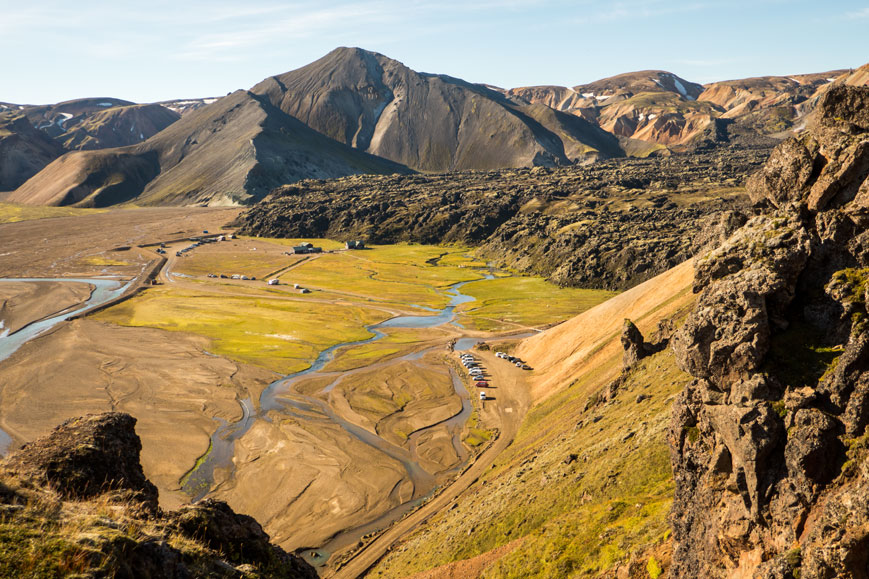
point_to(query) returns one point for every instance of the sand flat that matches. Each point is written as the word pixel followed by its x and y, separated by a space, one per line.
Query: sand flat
pixel 166 380
pixel 23 302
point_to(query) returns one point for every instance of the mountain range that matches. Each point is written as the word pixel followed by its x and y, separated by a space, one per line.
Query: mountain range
pixel 355 111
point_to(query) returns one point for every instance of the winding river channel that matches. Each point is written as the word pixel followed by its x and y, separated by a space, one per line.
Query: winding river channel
pixel 280 396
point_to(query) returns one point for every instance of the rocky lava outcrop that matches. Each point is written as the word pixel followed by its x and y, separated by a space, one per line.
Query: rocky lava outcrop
pixel 76 502
pixel 768 443
pixel 612 224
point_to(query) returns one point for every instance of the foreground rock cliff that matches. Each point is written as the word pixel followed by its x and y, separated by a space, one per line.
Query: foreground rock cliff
pixel 768 442
pixel 76 502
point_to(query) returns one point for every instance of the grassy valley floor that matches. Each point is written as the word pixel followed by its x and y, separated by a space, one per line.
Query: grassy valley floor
pixel 233 337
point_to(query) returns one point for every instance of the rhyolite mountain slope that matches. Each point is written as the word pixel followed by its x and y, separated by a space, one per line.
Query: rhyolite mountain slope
pixel 429 122
pixel 768 442
pixel 229 152
pixel 661 109
pixel 76 503
pixel 612 224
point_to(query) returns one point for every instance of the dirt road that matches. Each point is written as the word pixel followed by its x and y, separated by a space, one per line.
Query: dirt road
pixel 505 412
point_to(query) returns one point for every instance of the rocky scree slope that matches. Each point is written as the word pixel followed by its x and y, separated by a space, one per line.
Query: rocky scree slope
pixel 230 152
pixel 610 225
pixel 768 443
pixel 76 502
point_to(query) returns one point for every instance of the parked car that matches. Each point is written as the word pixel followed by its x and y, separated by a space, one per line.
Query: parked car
pixel 483 396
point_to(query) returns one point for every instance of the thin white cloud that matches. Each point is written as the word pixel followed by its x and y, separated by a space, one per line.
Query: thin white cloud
pixel 858 14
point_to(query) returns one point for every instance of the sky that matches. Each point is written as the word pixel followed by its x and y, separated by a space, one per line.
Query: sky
pixel 160 50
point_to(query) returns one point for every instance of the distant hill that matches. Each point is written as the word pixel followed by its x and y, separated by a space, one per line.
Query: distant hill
pixel 89 124
pixel 82 124
pixel 429 122
pixel 232 151
pixel 185 106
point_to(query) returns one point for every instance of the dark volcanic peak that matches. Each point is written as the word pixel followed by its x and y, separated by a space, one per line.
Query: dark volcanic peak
pixel 24 150
pixel 612 224
pixel 427 122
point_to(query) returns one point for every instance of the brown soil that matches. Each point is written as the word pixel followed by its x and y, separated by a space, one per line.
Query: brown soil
pixel 66 244
pixel 505 413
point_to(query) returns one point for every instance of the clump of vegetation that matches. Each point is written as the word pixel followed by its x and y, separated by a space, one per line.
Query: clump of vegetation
pixel 852 282
pixel 654 568
pixel 43 535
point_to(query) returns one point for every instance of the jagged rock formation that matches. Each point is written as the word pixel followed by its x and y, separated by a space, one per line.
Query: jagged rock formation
pixel 86 457
pixel 77 502
pixel 635 345
pixel 769 442
pixel 612 224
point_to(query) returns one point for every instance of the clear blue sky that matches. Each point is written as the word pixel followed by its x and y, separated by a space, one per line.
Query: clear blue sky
pixel 154 50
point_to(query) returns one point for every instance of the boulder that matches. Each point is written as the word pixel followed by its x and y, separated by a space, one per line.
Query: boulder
pixel 88 456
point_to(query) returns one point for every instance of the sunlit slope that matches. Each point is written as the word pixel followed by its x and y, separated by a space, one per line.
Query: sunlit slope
pixel 564 352
pixel 586 486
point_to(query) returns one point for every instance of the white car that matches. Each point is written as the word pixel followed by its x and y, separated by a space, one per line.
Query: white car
pixel 483 396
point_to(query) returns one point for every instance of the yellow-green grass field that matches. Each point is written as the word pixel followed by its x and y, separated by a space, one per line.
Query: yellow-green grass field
pixel 12 212
pixel 528 301
pixel 250 263
pixel 326 244
pixel 391 274
pixel 396 341
pixel 281 335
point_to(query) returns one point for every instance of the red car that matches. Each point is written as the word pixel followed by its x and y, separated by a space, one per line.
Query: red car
pixel 481 384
